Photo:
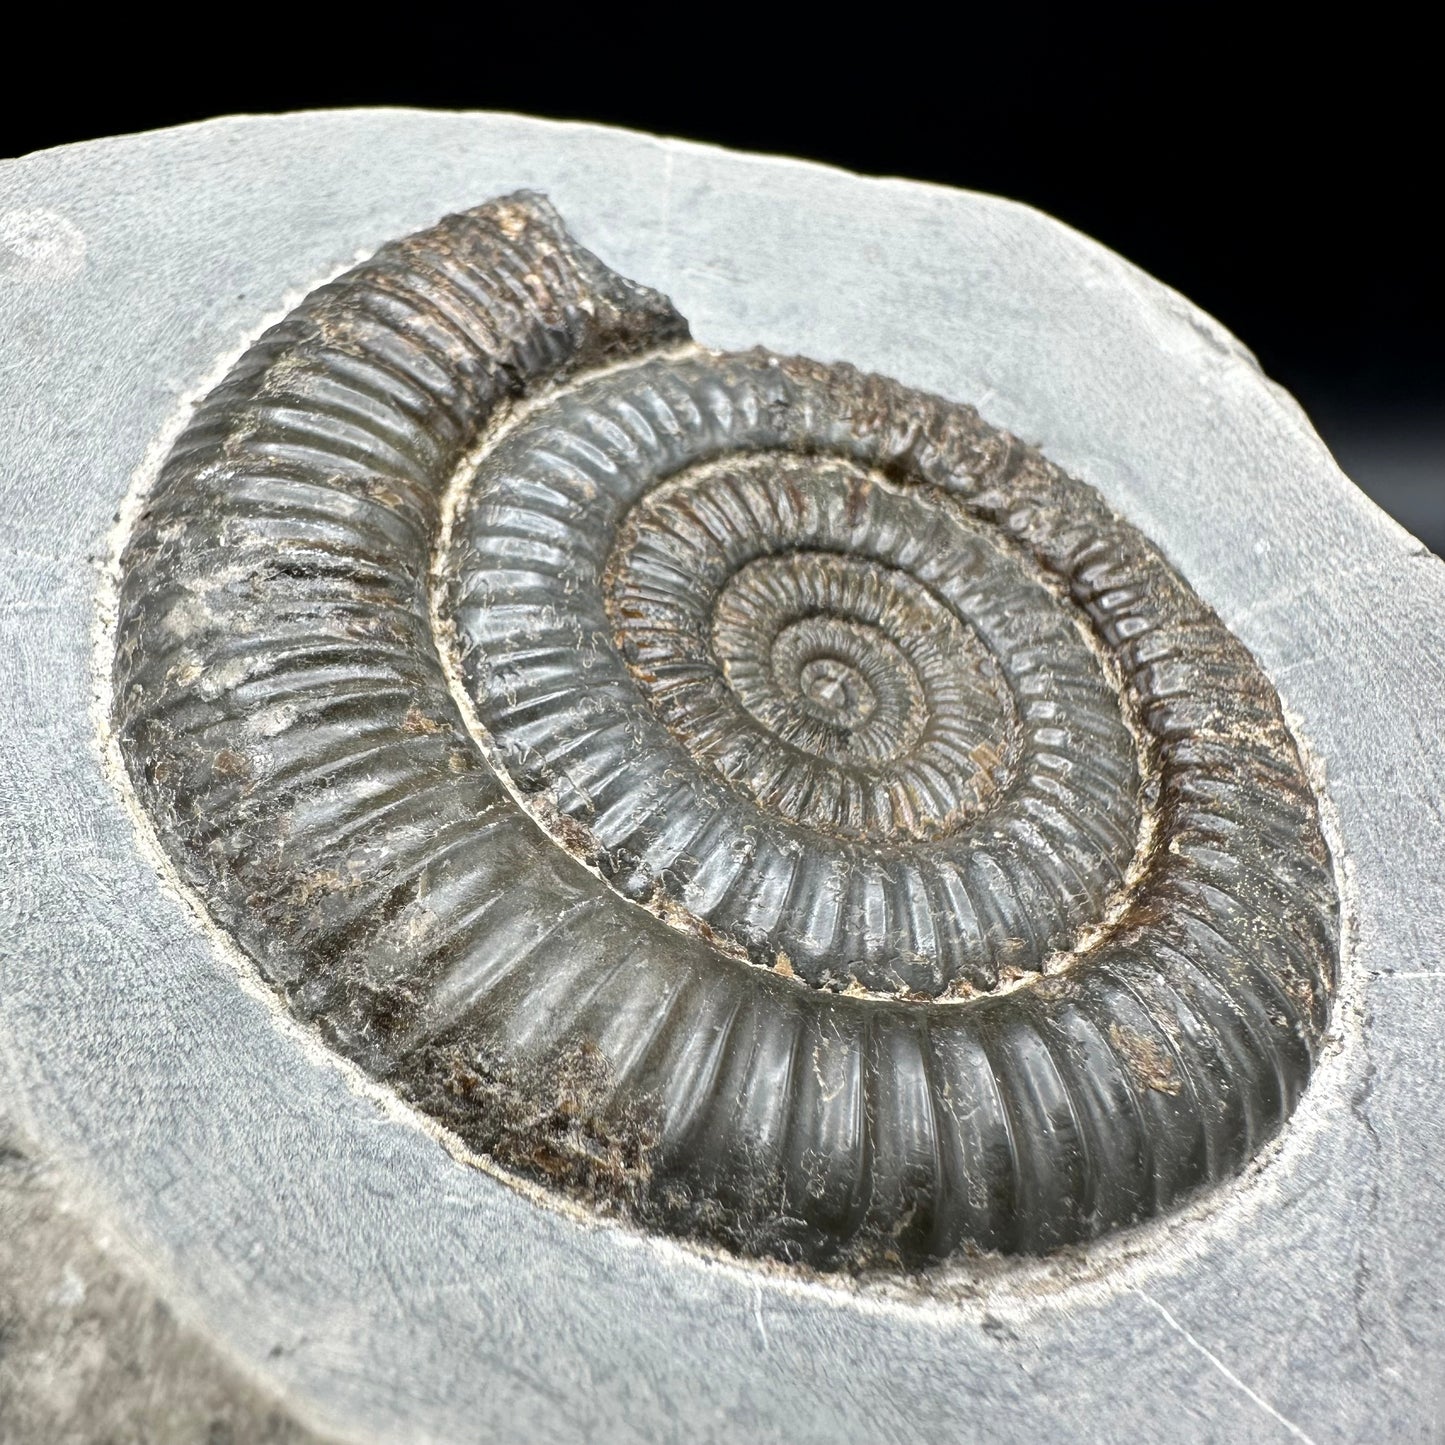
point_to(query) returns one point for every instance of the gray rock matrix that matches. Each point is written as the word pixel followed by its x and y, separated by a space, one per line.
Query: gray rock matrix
pixel 89 1350
pixel 318 1259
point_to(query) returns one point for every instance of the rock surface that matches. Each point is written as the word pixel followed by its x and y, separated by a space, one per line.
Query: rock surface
pixel 313 1233
pixel 90 1351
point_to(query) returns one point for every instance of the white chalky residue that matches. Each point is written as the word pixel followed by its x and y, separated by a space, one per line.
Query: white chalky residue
pixel 39 245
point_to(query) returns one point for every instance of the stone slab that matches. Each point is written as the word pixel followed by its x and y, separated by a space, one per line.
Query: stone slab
pixel 319 1235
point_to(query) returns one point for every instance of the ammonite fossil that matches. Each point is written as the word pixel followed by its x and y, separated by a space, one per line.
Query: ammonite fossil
pixel 738 791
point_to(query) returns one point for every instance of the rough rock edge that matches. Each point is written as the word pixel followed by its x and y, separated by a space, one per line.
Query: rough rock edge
pixel 90 1350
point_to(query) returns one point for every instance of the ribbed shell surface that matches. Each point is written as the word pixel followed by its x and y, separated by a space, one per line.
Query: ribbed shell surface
pixel 890 855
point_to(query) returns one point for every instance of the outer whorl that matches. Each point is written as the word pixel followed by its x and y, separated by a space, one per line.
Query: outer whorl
pixel 860 844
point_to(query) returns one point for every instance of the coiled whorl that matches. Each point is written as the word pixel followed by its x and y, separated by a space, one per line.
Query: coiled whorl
pixel 776 804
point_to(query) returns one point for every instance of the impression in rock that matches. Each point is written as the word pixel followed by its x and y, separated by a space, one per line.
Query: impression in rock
pixel 740 792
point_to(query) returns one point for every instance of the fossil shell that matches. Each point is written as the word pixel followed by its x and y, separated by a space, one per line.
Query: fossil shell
pixel 734 790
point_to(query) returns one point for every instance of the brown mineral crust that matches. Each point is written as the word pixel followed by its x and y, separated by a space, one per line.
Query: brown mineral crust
pixel 554 1121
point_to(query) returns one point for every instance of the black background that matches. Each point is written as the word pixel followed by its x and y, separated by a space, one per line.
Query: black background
pixel 1284 180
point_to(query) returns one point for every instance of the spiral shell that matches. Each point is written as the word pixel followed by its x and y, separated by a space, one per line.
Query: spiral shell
pixel 756 797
